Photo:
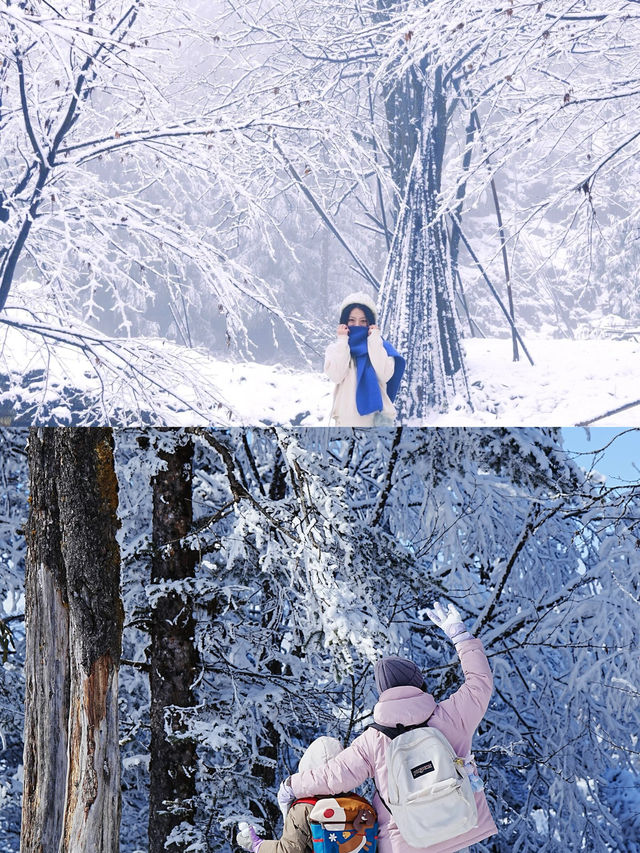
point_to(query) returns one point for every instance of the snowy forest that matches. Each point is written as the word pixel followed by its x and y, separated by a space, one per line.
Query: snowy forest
pixel 186 187
pixel 197 574
pixel 183 611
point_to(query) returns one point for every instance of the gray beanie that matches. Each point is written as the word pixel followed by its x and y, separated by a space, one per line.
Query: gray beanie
pixel 397 672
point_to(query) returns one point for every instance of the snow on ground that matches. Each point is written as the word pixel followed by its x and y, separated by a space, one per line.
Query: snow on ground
pixel 569 383
pixel 155 381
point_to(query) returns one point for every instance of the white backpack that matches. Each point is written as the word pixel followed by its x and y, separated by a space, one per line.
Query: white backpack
pixel 430 795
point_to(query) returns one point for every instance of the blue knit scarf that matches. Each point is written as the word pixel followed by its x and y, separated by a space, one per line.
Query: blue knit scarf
pixel 368 396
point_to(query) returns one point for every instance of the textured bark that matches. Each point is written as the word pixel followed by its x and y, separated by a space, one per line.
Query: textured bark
pixel 404 96
pixel 74 631
pixel 417 293
pixel 173 656
pixel 47 671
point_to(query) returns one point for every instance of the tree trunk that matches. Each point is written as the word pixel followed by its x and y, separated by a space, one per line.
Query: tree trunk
pixel 417 294
pixel 173 655
pixel 404 97
pixel 47 657
pixel 74 619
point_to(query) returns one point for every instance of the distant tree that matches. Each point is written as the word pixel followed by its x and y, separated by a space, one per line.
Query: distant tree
pixel 173 659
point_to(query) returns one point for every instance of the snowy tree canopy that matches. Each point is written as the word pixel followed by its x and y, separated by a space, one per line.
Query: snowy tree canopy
pixel 222 174
pixel 318 552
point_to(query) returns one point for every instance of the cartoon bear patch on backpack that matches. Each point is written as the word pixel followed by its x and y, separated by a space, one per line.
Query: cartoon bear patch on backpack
pixel 344 824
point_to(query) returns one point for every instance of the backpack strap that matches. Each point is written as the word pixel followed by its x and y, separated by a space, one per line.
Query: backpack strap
pixel 310 800
pixel 394 731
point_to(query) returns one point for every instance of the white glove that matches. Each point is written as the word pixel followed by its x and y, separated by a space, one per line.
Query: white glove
pixel 450 621
pixel 243 839
pixel 248 838
pixel 285 797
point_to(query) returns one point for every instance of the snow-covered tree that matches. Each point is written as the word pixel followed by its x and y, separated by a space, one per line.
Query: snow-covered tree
pixel 318 551
pixel 541 102
pixel 119 167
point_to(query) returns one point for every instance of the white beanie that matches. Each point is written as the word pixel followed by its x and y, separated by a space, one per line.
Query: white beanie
pixel 319 752
pixel 360 298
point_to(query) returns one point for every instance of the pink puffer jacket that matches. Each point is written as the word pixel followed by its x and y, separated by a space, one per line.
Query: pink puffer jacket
pixel 456 717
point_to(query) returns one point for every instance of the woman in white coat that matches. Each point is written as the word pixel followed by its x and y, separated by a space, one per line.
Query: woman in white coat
pixel 365 368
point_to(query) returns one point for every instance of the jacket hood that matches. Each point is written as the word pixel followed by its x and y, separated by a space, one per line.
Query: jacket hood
pixel 360 298
pixel 319 752
pixel 406 705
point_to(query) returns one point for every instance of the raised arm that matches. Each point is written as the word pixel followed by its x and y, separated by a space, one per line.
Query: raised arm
pixel 383 363
pixel 337 359
pixel 470 702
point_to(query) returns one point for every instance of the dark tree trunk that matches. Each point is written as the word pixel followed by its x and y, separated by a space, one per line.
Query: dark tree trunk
pixel 73 623
pixel 404 105
pixel 417 293
pixel 404 98
pixel 173 655
pixel 264 768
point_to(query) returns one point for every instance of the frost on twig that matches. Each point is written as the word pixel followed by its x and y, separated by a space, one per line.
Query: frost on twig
pixel 55 372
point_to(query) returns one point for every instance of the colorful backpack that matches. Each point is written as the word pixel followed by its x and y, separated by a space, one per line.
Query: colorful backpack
pixel 430 795
pixel 345 823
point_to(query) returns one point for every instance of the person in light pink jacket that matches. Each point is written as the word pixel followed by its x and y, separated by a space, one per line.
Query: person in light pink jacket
pixel 404 700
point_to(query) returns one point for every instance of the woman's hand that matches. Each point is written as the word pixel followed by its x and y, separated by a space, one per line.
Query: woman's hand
pixel 450 621
pixel 373 328
pixel 343 329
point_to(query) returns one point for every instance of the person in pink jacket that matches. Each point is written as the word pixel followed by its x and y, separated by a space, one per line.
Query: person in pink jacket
pixel 404 700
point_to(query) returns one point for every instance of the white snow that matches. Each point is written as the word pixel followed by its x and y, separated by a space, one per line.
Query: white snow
pixel 571 382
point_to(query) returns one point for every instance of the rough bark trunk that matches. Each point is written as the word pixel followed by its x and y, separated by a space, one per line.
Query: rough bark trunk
pixel 173 656
pixel 417 293
pixel 74 631
pixel 47 677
